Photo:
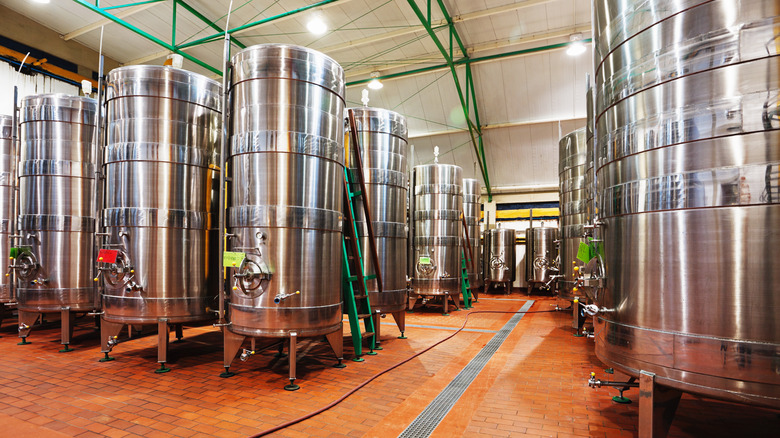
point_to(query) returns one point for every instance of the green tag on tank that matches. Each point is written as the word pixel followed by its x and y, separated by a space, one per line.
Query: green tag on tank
pixel 425 260
pixel 14 253
pixel 232 259
pixel 583 252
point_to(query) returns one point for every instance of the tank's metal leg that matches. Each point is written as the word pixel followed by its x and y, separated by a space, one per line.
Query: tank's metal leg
pixel 26 321
pixel 292 359
pixel 109 332
pixel 179 332
pixel 657 406
pixel 231 344
pixel 336 342
pixel 475 295
pixel 67 319
pixel 377 329
pixel 400 321
pixel 162 345
pixel 412 301
pixel 446 304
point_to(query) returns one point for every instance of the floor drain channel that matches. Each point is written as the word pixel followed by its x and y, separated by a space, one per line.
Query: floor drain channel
pixel 429 419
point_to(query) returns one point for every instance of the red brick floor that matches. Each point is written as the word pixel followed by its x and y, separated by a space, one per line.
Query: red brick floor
pixel 535 385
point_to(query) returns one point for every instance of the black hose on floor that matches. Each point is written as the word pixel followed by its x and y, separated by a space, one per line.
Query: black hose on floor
pixel 372 378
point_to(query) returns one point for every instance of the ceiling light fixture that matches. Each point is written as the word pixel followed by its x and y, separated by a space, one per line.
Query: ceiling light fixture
pixel 577 47
pixel 42 1
pixel 317 26
pixel 374 83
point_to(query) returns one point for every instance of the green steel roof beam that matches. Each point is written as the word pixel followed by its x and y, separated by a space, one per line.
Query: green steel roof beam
pixel 220 34
pixel 127 5
pixel 451 65
pixel 481 154
pixel 463 61
pixel 211 24
pixel 146 35
pixel 453 31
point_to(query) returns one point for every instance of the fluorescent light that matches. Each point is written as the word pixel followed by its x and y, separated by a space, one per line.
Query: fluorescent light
pixel 42 1
pixel 374 83
pixel 317 26
pixel 575 49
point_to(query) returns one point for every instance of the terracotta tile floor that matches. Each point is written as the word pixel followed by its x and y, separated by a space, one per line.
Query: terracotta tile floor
pixel 535 385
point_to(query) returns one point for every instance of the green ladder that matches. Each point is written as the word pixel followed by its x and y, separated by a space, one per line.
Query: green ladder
pixel 354 290
pixel 465 287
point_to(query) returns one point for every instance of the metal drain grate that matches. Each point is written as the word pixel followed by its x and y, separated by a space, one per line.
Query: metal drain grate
pixel 429 419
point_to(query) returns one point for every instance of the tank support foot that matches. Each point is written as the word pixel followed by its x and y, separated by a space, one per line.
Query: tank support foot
pixel 24 341
pixel 227 373
pixel 292 386
pixel 657 406
pixel 66 349
pixel 339 364
pixel 357 359
pixel 162 369
pixel 280 352
pixel 402 336
pixel 107 358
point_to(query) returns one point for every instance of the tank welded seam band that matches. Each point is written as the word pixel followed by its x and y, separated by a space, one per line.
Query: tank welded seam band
pixel 689 335
pixel 126 297
pixel 709 207
pixel 217 110
pixel 433 414
pixel 270 140
pixel 277 308
pixel 181 163
pixel 288 153
pixel 677 78
pixel 38 222
pixel 341 98
pixel 90 124
pixel 368 131
pixel 717 137
pixel 640 31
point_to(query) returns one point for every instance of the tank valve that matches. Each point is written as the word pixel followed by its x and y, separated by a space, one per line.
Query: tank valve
pixel 592 309
pixel 593 382
pixel 23 326
pixel 245 355
pixel 112 341
pixel 280 297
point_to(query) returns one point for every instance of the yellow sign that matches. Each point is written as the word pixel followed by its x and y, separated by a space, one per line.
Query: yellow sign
pixel 232 259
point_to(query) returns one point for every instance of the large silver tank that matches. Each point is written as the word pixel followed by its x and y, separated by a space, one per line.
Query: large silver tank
pixel 500 256
pixel 572 169
pixel 437 227
pixel 285 205
pixel 382 135
pixel 540 255
pixel 8 160
pixel 471 211
pixel 160 161
pixel 687 162
pixel 56 204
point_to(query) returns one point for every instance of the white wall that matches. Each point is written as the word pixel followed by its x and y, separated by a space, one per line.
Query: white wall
pixel 28 85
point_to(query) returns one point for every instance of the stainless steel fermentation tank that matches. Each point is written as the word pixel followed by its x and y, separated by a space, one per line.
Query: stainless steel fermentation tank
pixel 687 166
pixel 471 213
pixel 158 262
pixel 437 230
pixel 382 137
pixel 573 195
pixel 56 221
pixel 286 165
pixel 8 159
pixel 541 253
pixel 500 258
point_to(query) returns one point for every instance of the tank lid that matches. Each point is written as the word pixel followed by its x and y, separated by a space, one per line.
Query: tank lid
pixel 61 100
pixel 289 61
pixel 155 80
pixel 380 120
